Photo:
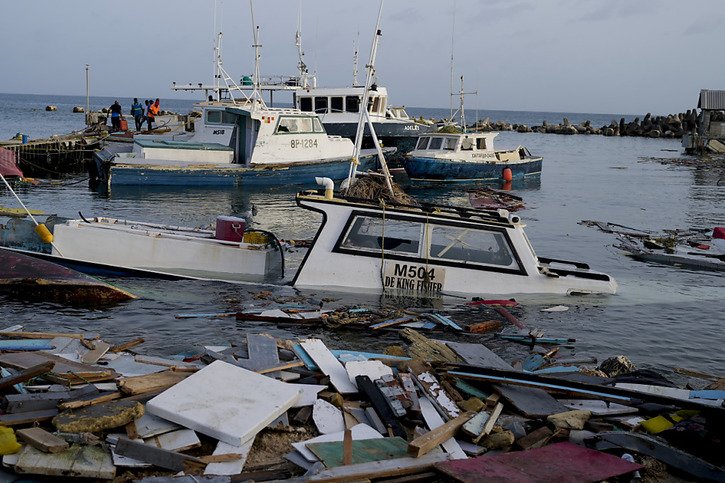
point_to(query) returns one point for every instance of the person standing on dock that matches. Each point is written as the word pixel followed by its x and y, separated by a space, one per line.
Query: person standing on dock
pixel 116 116
pixel 151 114
pixel 137 113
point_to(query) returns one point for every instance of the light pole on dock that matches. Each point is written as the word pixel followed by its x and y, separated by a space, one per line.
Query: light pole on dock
pixel 88 98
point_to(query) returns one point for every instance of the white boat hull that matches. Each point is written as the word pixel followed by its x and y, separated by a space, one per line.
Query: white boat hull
pixel 183 252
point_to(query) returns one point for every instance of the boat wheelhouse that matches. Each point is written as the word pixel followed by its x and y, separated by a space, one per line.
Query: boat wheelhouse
pixel 233 145
pixel 339 110
pixel 430 251
pixel 465 157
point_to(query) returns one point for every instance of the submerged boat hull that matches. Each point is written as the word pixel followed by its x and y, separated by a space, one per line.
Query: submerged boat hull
pixel 231 175
pixel 35 279
pixel 445 170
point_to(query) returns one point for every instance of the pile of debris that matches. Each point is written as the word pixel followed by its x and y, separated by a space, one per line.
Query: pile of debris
pixel 269 409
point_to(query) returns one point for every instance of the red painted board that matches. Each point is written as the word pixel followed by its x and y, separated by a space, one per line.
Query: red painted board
pixel 560 462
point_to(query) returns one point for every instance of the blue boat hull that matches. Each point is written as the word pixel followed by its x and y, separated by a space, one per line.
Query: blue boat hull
pixel 235 176
pixel 443 170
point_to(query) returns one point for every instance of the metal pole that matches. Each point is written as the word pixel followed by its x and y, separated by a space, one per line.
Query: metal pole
pixel 88 97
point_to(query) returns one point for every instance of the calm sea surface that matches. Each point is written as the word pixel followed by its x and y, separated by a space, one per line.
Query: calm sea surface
pixel 662 317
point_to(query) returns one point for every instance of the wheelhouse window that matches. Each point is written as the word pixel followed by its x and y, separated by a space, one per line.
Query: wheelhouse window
pixel 336 104
pixel 220 117
pixel 306 104
pixel 422 143
pixel 471 246
pixel 352 104
pixel 450 144
pixel 298 124
pixel 372 234
pixel 321 104
pixel 481 143
pixel 435 143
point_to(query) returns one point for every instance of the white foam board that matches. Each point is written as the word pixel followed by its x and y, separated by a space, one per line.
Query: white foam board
pixel 327 417
pixel 224 401
pixel 329 365
pixel 373 369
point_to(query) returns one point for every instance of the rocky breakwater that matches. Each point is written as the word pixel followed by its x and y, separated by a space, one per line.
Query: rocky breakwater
pixel 670 126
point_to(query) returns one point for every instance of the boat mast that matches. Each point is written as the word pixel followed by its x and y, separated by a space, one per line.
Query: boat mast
pixel 453 36
pixel 255 95
pixel 88 95
pixel 355 58
pixel 301 66
pixel 216 56
pixel 462 95
pixel 365 115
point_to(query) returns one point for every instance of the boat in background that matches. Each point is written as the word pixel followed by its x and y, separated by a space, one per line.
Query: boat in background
pixel 235 145
pixel 339 110
pixel 467 157
pixel 32 279
pixel 112 247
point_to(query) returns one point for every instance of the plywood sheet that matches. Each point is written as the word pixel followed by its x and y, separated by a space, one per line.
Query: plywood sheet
pixel 363 451
pixel 478 355
pixel 218 401
pixel 560 462
pixel 329 365
pixel 359 431
pixel 529 401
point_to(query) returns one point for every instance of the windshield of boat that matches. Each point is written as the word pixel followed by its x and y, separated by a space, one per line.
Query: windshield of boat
pixel 471 245
pixel 298 124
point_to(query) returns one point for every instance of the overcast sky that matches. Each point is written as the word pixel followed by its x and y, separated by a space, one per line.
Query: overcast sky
pixel 601 56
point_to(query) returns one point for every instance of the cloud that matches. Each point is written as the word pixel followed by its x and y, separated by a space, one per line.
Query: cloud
pixel 705 25
pixel 619 9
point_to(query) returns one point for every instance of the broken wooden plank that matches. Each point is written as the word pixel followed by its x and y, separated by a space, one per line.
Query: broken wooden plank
pixel 434 420
pixel 151 382
pixel 90 400
pixel 231 467
pixel 63 371
pixel 478 355
pixel 162 458
pixel 363 451
pixel 438 396
pixel 126 345
pixel 474 426
pixel 490 422
pixel 423 444
pixel 40 335
pixel 77 461
pixel 392 322
pixel 42 440
pixel 380 469
pixel 598 408
pixel 425 349
pixel 212 400
pixel 26 374
pixel 27 417
pixel 99 349
pixel 329 365
pixel 19 403
pixel 26 345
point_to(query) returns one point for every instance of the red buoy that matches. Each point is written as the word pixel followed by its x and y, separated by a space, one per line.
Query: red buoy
pixel 507 174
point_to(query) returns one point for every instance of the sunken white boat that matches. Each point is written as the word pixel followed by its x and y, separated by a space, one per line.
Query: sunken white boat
pixel 431 250
pixel 112 247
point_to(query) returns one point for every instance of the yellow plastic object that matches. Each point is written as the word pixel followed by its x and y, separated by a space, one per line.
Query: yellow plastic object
pixel 8 443
pixel 656 424
pixel 255 238
pixel 45 235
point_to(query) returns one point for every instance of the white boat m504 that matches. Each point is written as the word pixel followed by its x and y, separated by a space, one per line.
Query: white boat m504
pixel 431 250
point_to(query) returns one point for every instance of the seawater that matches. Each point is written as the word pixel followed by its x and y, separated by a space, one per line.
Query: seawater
pixel 662 317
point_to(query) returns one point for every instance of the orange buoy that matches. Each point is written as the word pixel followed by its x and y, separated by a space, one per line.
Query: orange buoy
pixel 507 174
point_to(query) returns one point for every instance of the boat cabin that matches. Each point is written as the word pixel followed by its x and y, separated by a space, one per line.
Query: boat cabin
pixel 431 250
pixel 345 100
pixel 238 135
pixel 476 146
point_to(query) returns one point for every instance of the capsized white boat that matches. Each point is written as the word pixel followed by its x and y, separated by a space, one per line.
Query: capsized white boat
pixel 431 250
pixel 227 254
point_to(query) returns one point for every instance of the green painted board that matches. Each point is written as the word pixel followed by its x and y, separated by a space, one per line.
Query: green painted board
pixel 470 390
pixel 363 451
